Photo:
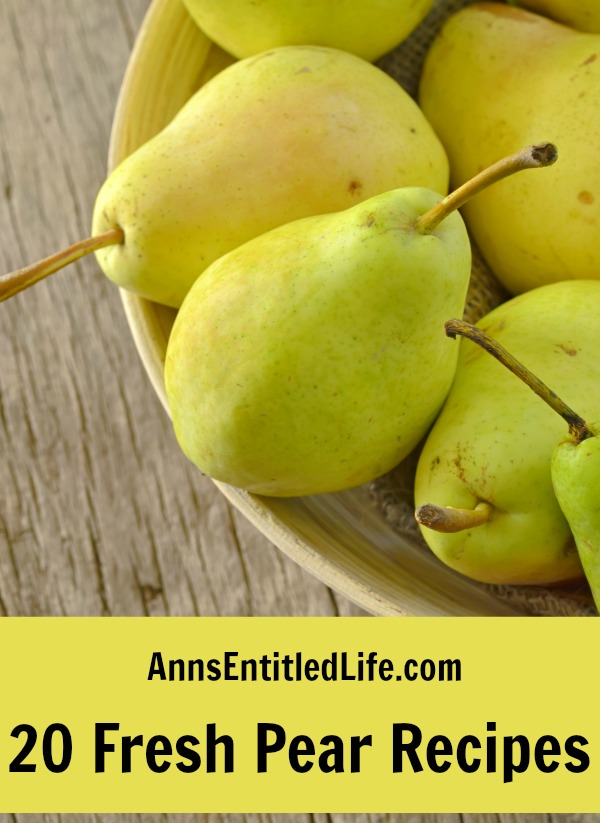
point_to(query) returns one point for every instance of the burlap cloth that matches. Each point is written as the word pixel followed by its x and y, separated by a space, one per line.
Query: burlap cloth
pixel 393 493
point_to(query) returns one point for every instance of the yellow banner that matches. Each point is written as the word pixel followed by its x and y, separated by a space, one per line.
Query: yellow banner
pixel 299 715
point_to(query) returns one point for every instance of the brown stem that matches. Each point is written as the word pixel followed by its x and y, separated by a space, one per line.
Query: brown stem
pixel 532 157
pixel 16 281
pixel 448 520
pixel 577 425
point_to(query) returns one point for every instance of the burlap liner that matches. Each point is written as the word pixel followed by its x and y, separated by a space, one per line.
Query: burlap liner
pixel 393 493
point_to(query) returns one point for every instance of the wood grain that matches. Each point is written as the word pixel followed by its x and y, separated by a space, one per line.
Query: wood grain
pixel 100 514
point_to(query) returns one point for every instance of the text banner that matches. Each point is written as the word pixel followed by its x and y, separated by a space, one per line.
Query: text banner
pixel 299 715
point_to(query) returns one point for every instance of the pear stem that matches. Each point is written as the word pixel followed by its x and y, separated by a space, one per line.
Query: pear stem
pixel 578 428
pixel 16 281
pixel 448 520
pixel 532 157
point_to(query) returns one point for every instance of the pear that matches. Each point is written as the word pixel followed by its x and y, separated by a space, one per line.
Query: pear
pixel 290 133
pixel 583 14
pixel 494 76
pixel 245 27
pixel 575 472
pixel 312 358
pixel 483 487
pixel 575 463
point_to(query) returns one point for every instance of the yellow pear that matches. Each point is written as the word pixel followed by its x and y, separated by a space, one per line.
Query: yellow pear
pixel 246 27
pixel 581 14
pixel 575 463
pixel 313 358
pixel 483 488
pixel 495 76
pixel 293 132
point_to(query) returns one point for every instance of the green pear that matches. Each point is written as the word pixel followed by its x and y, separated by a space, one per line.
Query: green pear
pixel 575 462
pixel 582 14
pixel 576 480
pixel 312 358
pixel 291 133
pixel 483 486
pixel 245 27
pixel 494 76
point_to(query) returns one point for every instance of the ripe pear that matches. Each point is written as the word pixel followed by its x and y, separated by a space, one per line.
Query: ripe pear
pixel 583 14
pixel 483 486
pixel 576 481
pixel 245 27
pixel 575 463
pixel 312 358
pixel 290 133
pixel 493 76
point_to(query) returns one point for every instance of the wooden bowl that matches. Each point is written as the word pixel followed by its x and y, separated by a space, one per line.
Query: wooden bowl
pixel 342 538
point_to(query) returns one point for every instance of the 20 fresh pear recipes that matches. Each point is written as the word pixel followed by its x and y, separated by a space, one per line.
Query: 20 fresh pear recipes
pixel 295 213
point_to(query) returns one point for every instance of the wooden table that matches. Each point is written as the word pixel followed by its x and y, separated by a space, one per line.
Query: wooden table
pixel 100 513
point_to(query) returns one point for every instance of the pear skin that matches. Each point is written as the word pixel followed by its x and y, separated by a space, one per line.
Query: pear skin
pixel 369 30
pixel 493 440
pixel 576 480
pixel 313 358
pixel 494 76
pixel 292 132
pixel 583 14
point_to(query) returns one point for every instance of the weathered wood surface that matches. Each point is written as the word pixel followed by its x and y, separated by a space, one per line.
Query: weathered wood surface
pixel 100 514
